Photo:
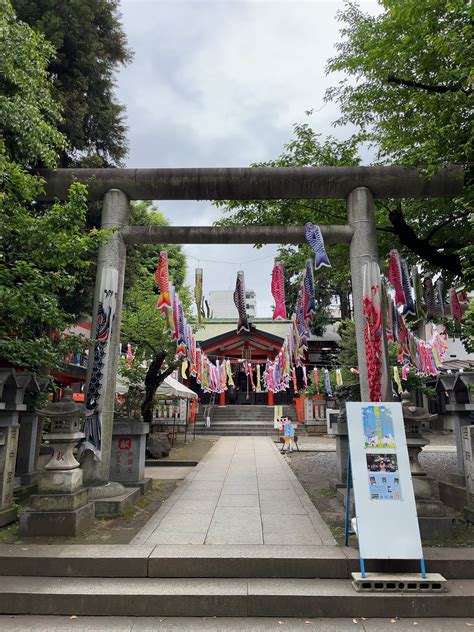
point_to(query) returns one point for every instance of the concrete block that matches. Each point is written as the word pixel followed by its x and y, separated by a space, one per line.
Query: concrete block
pixel 8 515
pixel 116 505
pixel 144 485
pixel 438 527
pixel 56 523
pixel 54 560
pixel 399 582
pixel 452 495
pixel 469 514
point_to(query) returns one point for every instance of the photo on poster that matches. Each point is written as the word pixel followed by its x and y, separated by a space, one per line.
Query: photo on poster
pixel 383 476
pixel 378 427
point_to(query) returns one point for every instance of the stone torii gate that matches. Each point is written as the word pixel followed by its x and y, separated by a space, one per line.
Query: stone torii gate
pixel 357 185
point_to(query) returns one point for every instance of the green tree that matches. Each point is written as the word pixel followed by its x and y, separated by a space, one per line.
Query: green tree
pixel 306 149
pixel 43 251
pixel 90 46
pixel 408 90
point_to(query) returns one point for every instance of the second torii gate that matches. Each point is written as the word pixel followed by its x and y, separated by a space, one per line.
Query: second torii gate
pixel 357 185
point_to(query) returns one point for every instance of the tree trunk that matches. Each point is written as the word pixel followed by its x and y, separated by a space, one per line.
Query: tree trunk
pixel 152 381
pixel 345 305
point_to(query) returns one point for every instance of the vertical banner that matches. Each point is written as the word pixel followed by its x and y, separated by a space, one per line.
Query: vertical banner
pixel 277 415
pixel 387 522
pixel 198 292
pixel 100 367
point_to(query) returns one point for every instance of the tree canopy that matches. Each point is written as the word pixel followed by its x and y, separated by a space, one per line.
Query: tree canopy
pixel 43 250
pixel 90 45
pixel 407 87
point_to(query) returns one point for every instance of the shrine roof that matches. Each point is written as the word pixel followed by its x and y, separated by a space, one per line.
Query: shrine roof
pixel 276 329
pixel 224 326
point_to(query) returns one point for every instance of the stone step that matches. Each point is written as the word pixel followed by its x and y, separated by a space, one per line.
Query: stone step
pixel 217 561
pixel 224 597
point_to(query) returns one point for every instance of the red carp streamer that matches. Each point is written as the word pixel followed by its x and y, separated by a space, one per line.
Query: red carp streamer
pixel 456 310
pixel 394 274
pixel 278 291
pixel 372 308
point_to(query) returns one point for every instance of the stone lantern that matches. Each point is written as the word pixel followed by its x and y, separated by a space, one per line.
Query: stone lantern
pixel 62 505
pixel 431 512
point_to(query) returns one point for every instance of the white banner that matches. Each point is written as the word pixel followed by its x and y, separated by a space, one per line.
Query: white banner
pixel 277 415
pixel 387 522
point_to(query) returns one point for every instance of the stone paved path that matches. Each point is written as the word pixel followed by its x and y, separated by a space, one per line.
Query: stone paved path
pixel 242 492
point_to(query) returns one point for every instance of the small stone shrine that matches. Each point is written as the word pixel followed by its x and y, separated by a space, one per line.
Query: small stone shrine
pixel 13 387
pixel 431 512
pixel 456 405
pixel 62 505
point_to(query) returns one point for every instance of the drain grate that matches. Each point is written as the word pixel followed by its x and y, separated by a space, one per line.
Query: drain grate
pixel 403 582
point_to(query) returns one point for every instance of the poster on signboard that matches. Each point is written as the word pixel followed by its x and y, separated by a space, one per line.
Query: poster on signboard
pixel 277 415
pixel 387 522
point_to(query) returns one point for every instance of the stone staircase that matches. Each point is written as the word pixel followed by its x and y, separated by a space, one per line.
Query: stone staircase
pixel 241 420
pixel 226 581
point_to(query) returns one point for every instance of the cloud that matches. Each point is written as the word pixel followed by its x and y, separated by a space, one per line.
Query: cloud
pixel 221 84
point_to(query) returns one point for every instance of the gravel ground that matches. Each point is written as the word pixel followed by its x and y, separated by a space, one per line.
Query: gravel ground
pixel 316 471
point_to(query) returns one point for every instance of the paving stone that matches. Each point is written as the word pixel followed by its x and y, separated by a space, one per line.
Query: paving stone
pixel 185 522
pixel 245 533
pixel 164 537
pixel 188 506
pixel 238 500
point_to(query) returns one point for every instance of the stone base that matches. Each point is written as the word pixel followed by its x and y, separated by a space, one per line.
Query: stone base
pixel 8 515
pixel 435 527
pixel 144 485
pixel 116 505
pixel 56 523
pixel 469 514
pixel 24 492
pixel 31 478
pixel 458 479
pixel 60 481
pixel 453 495
pixel 59 502
pixel 430 508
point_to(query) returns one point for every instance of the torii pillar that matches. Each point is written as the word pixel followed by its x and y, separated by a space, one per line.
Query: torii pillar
pixel 104 352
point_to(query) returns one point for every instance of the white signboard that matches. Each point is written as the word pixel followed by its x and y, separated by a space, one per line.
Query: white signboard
pixel 387 523
pixel 277 415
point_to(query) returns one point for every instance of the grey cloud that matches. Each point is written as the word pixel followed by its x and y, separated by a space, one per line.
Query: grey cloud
pixel 221 84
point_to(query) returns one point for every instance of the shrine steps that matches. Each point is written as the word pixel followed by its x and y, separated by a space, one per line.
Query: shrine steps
pixel 242 420
pixel 239 581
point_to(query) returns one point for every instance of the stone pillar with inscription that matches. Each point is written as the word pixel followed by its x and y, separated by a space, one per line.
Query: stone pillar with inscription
pixel 127 463
pixel 468 454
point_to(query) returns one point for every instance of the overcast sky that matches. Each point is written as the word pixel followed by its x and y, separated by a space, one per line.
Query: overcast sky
pixel 221 84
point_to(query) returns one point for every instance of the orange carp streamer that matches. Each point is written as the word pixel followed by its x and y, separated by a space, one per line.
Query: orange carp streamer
pixel 163 281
